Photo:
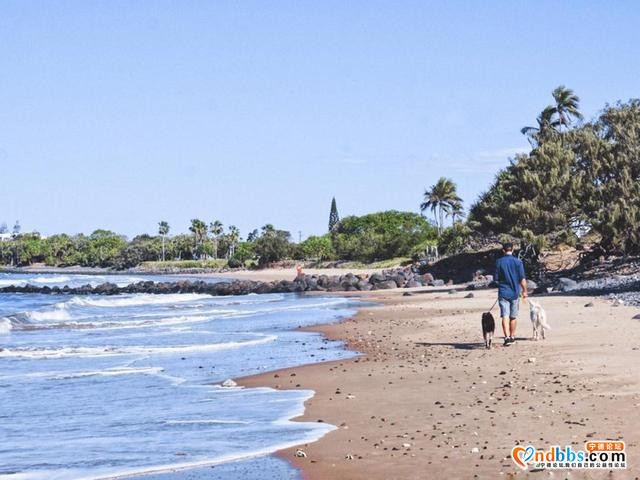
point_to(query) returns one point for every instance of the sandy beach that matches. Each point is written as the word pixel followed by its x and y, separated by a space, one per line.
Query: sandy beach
pixel 275 274
pixel 427 400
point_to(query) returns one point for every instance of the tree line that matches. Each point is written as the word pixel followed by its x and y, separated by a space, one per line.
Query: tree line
pixel 366 238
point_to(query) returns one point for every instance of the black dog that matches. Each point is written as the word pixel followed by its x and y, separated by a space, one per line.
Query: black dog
pixel 488 327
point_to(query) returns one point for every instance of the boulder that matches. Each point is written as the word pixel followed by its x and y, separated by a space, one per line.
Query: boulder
pixel 566 285
pixel 385 285
pixel 427 279
pixel 376 278
pixel 348 281
pixel 312 282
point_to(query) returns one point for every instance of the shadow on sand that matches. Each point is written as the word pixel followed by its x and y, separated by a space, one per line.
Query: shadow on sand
pixel 497 341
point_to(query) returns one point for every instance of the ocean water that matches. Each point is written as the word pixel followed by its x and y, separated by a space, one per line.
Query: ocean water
pixel 120 386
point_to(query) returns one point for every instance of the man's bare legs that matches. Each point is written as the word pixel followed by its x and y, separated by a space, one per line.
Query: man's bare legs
pixel 509 327
pixel 505 326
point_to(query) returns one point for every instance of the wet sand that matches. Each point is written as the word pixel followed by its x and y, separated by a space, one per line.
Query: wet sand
pixel 427 400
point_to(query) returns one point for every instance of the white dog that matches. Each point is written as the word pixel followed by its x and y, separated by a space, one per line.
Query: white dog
pixel 538 320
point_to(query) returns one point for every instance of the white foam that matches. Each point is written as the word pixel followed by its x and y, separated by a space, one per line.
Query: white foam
pixel 58 314
pixel 5 326
pixel 107 372
pixel 134 350
pixel 206 422
pixel 140 299
pixel 55 279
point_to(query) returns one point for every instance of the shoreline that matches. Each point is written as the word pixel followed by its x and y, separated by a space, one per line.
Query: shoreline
pixel 426 400
pixel 263 275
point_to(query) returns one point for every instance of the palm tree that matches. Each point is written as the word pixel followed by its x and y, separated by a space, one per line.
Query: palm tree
pixel 234 236
pixel 163 230
pixel 456 212
pixel 199 230
pixel 567 104
pixel 253 235
pixel 441 198
pixel 216 229
pixel 268 229
pixel 546 125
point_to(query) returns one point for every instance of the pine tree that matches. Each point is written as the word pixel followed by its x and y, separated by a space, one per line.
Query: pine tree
pixel 334 218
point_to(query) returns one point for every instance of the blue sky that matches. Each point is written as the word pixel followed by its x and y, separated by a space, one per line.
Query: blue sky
pixel 119 114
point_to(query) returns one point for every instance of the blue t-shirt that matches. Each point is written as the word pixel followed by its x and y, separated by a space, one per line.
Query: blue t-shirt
pixel 509 274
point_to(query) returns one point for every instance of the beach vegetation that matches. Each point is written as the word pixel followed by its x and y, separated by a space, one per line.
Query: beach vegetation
pixel 272 245
pixel 318 248
pixel 334 218
pixel 579 179
pixel 443 201
pixel 382 235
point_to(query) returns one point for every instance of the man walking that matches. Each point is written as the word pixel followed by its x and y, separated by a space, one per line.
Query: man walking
pixel 511 281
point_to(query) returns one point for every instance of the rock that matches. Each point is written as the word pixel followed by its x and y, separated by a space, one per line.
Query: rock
pixel 413 284
pixel 348 281
pixel 406 445
pixel 531 285
pixel 475 450
pixel 385 285
pixel 407 294
pixel 399 279
pixel 300 453
pixel 376 278
pixel 452 291
pixel 618 302
pixel 590 304
pixel 427 278
pixel 348 456
pixel 479 274
pixel 566 285
pixel 437 283
pixel 312 282
pixel 532 360
pixel 469 295
pixel 229 383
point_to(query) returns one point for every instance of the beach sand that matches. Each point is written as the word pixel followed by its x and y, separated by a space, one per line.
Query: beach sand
pixel 276 274
pixel 427 400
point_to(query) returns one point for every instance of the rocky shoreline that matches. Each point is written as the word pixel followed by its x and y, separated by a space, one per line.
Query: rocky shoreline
pixel 621 288
pixel 387 279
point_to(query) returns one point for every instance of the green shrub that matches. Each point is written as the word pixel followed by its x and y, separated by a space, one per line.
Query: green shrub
pixel 380 236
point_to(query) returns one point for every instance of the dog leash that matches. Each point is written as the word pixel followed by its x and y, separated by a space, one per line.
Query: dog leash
pixel 494 304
